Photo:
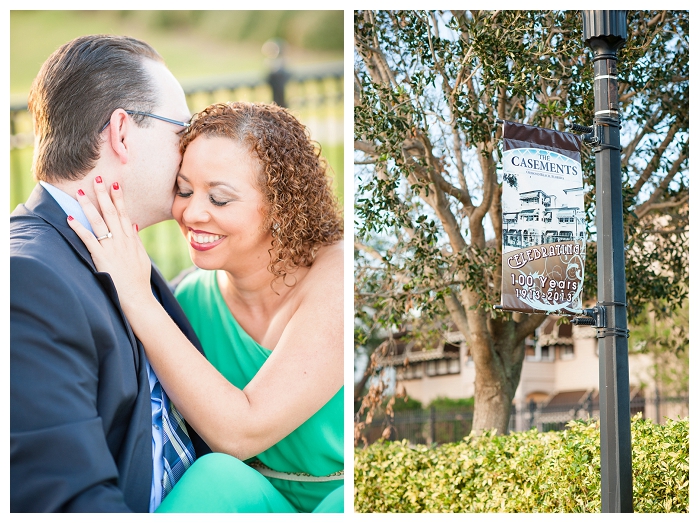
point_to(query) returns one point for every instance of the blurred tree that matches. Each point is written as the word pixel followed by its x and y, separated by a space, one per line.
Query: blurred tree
pixel 428 88
pixel 170 20
pixel 666 340
pixel 316 30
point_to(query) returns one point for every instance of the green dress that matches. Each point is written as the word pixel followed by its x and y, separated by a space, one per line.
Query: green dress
pixel 311 456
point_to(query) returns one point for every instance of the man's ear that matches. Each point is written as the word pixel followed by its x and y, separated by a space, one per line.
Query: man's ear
pixel 118 128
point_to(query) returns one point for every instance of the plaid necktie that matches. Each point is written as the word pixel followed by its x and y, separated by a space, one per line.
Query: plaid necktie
pixel 178 451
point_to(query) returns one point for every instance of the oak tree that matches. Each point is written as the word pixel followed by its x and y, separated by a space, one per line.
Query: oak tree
pixel 428 89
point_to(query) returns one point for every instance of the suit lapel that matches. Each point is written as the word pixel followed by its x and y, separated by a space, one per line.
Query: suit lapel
pixel 42 204
pixel 172 307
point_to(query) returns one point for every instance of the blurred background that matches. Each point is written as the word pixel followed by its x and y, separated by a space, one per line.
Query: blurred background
pixel 291 57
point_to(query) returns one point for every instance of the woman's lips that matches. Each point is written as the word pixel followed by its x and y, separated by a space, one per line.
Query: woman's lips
pixel 204 241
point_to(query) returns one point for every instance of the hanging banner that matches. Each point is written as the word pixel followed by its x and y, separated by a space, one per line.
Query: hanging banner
pixel 543 220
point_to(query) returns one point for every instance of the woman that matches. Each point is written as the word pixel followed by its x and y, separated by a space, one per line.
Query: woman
pixel 254 203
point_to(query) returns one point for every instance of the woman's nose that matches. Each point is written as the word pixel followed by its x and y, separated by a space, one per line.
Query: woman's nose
pixel 195 210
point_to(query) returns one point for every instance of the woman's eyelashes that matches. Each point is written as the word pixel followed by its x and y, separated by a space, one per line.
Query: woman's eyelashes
pixel 217 202
pixel 183 193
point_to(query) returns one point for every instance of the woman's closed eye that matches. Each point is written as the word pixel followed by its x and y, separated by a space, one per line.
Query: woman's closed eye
pixel 183 193
pixel 215 200
pixel 218 203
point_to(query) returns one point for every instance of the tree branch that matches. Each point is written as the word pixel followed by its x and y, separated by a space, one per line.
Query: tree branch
pixel 527 325
pixel 366 147
pixel 368 249
pixel 662 205
pixel 457 314
pixel 662 187
pixel 439 202
pixel 652 165
pixel 643 131
pixel 459 163
pixel 489 183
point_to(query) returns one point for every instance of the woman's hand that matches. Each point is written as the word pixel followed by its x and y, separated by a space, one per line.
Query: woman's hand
pixel 115 247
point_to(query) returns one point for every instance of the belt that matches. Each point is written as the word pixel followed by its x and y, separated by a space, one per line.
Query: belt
pixel 294 476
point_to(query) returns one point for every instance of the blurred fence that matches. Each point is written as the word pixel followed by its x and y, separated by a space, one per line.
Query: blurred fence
pixel 432 425
pixel 314 94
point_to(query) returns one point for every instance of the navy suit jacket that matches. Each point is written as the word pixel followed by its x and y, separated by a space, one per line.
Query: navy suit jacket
pixel 80 409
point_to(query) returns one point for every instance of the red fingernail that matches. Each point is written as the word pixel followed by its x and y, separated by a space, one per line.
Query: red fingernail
pixel 98 179
pixel 70 218
pixel 115 185
pixel 136 226
pixel 80 192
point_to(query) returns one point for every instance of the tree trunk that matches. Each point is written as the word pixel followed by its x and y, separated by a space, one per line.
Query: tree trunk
pixel 498 359
pixel 493 403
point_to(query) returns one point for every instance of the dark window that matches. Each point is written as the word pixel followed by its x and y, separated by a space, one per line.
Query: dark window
pixel 450 347
pixel 565 330
pixel 567 352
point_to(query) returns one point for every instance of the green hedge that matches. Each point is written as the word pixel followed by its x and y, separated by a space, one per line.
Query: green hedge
pixel 522 472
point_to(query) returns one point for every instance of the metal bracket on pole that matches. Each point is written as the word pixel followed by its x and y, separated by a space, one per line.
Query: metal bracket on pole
pixel 597 318
pixel 593 135
pixel 590 136
pixel 603 332
pixel 600 122
pixel 594 317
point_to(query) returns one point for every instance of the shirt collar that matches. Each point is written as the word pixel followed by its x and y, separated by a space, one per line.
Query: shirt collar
pixel 69 204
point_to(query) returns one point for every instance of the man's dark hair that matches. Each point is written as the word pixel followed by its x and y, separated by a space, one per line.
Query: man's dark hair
pixel 74 95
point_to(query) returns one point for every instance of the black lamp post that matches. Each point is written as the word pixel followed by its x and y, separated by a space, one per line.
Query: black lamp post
pixel 278 75
pixel 605 32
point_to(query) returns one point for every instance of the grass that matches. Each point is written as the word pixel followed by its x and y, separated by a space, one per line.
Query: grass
pixel 201 47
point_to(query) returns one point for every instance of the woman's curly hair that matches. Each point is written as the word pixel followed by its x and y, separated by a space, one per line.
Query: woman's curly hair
pixel 302 213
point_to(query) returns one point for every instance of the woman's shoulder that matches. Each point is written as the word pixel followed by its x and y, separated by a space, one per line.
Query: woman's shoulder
pixel 327 269
pixel 330 256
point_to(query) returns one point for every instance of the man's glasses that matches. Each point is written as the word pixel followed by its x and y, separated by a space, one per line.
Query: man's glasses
pixel 142 113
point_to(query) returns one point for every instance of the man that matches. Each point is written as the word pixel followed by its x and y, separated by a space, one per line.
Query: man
pixel 87 414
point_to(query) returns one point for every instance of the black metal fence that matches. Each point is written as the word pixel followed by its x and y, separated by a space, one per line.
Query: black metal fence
pixel 311 89
pixel 314 94
pixel 428 426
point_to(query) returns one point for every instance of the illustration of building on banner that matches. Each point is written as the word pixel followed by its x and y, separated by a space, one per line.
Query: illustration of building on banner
pixel 539 219
pixel 543 220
